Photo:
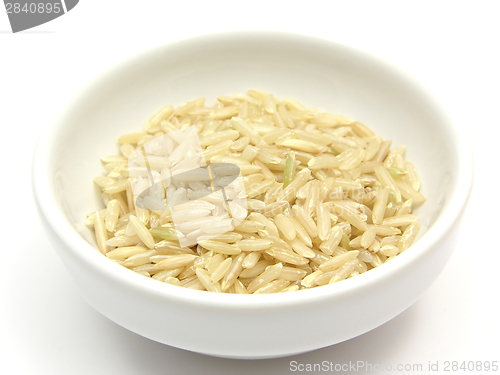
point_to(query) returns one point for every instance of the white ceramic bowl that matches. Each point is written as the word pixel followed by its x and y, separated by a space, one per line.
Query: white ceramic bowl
pixel 319 73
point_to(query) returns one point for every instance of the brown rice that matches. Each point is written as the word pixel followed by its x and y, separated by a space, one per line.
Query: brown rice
pixel 319 197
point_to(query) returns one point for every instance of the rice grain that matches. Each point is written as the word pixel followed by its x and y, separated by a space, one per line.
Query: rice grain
pixel 220 247
pixel 101 233
pixel 271 273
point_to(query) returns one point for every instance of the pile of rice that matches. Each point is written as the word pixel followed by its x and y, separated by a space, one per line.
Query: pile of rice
pixel 316 197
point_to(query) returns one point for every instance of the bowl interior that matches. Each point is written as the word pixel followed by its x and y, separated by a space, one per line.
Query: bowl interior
pixel 319 74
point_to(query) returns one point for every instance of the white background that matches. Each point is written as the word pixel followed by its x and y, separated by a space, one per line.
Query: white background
pixel 451 47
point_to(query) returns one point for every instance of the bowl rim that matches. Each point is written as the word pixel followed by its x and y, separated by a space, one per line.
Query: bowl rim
pixel 48 207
